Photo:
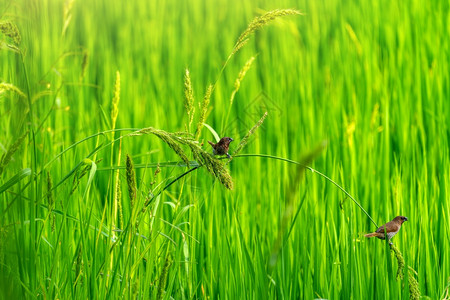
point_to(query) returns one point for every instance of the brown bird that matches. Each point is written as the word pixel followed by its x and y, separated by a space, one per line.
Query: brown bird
pixel 221 148
pixel 392 228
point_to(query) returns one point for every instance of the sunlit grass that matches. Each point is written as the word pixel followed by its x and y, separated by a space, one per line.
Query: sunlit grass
pixel 92 95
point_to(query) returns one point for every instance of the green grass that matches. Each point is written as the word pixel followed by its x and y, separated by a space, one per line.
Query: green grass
pixel 371 78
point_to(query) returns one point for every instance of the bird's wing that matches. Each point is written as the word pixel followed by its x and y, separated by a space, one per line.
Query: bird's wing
pixel 380 229
pixel 390 227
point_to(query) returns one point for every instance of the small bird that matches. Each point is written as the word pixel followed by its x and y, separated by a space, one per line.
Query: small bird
pixel 392 228
pixel 221 148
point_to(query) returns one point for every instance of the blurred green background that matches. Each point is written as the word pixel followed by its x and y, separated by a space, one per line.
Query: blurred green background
pixel 369 77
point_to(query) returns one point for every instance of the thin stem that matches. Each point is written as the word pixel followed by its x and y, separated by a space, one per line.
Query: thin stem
pixel 314 171
pixel 172 182
pixel 276 158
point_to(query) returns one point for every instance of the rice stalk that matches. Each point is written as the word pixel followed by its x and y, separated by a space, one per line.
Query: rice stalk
pixel 117 191
pixel 118 197
pixel 11 47
pixel 242 72
pixel 237 85
pixel 10 30
pixel 131 181
pixel 163 278
pixel 84 64
pixel 244 141
pixel 214 166
pixel 8 87
pixel 79 265
pixel 189 98
pixel 400 261
pixel 155 174
pixel 6 157
pixel 167 138
pixel 203 111
pixel 157 170
pixel 50 200
pixel 414 292
pixel 203 158
pixel 258 23
pixel 84 168
pixel 68 4
pixel 115 101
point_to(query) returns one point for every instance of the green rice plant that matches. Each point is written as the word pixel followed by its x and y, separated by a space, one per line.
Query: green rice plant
pixel 79 173
pixel 10 30
pixel 212 164
pixel 6 157
pixel 245 139
pixel 67 17
pixel 131 181
pixel 189 99
pixel 414 292
pixel 7 87
pixel 368 80
pixel 115 101
pixel 242 72
pixel 400 261
pixel 203 111
pixel 84 65
pixel 237 85
pixel 258 23
pixel 289 206
pixel 50 201
pixel 163 278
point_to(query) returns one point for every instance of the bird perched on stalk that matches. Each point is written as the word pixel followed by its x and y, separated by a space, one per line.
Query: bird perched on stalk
pixel 392 228
pixel 221 148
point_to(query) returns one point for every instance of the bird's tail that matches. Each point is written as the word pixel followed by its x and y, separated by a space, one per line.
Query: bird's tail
pixel 211 143
pixel 369 235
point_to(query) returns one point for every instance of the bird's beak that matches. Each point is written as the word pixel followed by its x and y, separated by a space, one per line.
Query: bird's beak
pixel 406 219
pixel 231 140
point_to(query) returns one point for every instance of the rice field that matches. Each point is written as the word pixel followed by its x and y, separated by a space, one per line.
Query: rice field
pixel 339 113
